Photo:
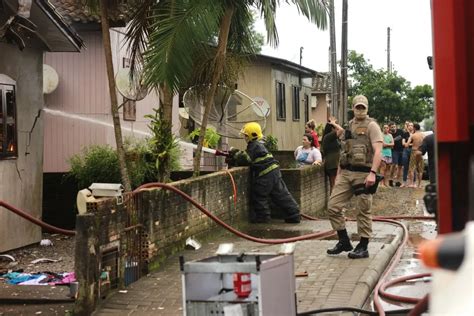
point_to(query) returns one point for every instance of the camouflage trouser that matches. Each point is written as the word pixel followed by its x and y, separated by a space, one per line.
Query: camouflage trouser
pixel 341 194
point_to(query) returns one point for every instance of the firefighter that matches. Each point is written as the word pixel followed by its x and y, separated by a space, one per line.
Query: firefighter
pixel 360 160
pixel 266 179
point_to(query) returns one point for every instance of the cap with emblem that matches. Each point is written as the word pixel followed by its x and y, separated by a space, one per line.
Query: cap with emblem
pixel 360 100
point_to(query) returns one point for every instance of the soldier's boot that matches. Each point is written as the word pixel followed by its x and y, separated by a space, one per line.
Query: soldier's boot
pixel 344 243
pixel 360 250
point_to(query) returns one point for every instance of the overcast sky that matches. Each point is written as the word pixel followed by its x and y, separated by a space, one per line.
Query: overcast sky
pixel 409 20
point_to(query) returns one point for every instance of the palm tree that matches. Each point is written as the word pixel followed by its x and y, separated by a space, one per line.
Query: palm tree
pixel 181 30
pixel 113 95
pixel 314 10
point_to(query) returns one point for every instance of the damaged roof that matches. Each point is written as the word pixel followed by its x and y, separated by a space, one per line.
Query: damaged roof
pixel 322 82
pixel 75 11
pixel 47 26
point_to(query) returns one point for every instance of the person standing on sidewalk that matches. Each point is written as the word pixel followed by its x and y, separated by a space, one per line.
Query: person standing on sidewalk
pixel 360 160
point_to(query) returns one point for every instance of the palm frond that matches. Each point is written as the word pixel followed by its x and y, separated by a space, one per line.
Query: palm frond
pixel 179 31
pixel 315 10
pixel 137 34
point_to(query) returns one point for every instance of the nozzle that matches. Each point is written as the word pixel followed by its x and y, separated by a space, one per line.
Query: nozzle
pixel 446 252
pixel 222 153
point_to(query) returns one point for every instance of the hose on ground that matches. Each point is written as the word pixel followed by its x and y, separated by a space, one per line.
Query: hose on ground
pixel 399 298
pixel 36 221
pixel 168 187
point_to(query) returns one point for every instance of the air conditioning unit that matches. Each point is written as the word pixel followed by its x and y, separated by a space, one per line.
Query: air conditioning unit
pixel 314 101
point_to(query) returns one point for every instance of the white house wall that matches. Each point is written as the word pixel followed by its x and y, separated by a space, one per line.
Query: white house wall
pixel 21 182
pixel 83 90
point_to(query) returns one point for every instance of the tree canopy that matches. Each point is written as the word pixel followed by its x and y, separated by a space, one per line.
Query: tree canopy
pixel 391 97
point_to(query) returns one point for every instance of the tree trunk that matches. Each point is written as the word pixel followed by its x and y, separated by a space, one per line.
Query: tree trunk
pixel 218 68
pixel 166 104
pixel 332 42
pixel 113 95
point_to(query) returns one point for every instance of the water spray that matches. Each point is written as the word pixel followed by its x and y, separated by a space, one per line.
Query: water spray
pixel 130 130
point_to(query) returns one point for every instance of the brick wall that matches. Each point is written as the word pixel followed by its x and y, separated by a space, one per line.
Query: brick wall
pixel 156 222
pixel 169 219
pixel 310 189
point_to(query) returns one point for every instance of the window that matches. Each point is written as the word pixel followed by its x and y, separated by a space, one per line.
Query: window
pixel 306 108
pixel 295 96
pixel 280 101
pixel 8 127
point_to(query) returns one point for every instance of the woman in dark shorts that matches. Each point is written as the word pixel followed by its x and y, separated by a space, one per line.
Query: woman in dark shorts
pixel 331 150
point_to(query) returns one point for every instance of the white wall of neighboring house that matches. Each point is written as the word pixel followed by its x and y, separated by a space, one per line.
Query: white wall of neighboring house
pixel 83 91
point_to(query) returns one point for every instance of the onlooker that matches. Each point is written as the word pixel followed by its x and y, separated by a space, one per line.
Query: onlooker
pixel 416 157
pixel 331 150
pixel 428 146
pixel 396 169
pixel 406 151
pixel 386 154
pixel 309 129
pixel 307 154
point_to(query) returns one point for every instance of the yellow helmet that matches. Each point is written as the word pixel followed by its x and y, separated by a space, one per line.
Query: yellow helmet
pixel 252 130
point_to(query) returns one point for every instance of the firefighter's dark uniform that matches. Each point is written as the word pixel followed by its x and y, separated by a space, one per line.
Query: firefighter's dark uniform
pixel 267 182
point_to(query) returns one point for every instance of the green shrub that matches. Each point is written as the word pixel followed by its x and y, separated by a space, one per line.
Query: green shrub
pixel 271 143
pixel 95 164
pixel 211 138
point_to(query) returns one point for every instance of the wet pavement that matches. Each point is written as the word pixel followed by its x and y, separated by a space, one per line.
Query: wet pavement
pixel 331 280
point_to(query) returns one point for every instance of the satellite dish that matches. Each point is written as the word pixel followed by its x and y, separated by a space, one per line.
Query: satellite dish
pixel 230 110
pixel 130 89
pixel 50 79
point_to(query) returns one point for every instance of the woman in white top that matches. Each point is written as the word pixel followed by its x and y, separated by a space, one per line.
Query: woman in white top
pixel 307 154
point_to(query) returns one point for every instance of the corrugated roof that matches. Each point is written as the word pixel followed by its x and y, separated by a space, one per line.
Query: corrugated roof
pixel 322 82
pixel 74 11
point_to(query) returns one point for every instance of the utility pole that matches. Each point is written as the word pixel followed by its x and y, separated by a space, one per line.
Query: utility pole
pixel 301 54
pixel 343 114
pixel 332 41
pixel 389 64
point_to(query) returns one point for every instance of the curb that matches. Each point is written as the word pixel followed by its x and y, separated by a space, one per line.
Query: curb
pixel 371 276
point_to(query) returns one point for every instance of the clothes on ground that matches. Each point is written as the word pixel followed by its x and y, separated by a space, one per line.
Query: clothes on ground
pixel 42 278
pixel 306 156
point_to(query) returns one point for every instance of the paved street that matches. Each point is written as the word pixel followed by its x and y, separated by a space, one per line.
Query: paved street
pixel 331 281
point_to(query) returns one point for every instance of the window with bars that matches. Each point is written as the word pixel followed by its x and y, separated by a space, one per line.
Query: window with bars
pixel 280 101
pixel 306 108
pixel 8 125
pixel 295 96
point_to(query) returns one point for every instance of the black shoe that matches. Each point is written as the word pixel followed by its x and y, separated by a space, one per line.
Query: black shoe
pixel 293 220
pixel 390 183
pixel 340 247
pixel 398 184
pixel 358 253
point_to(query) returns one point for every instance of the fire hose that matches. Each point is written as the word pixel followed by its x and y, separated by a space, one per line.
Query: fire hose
pixel 380 287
